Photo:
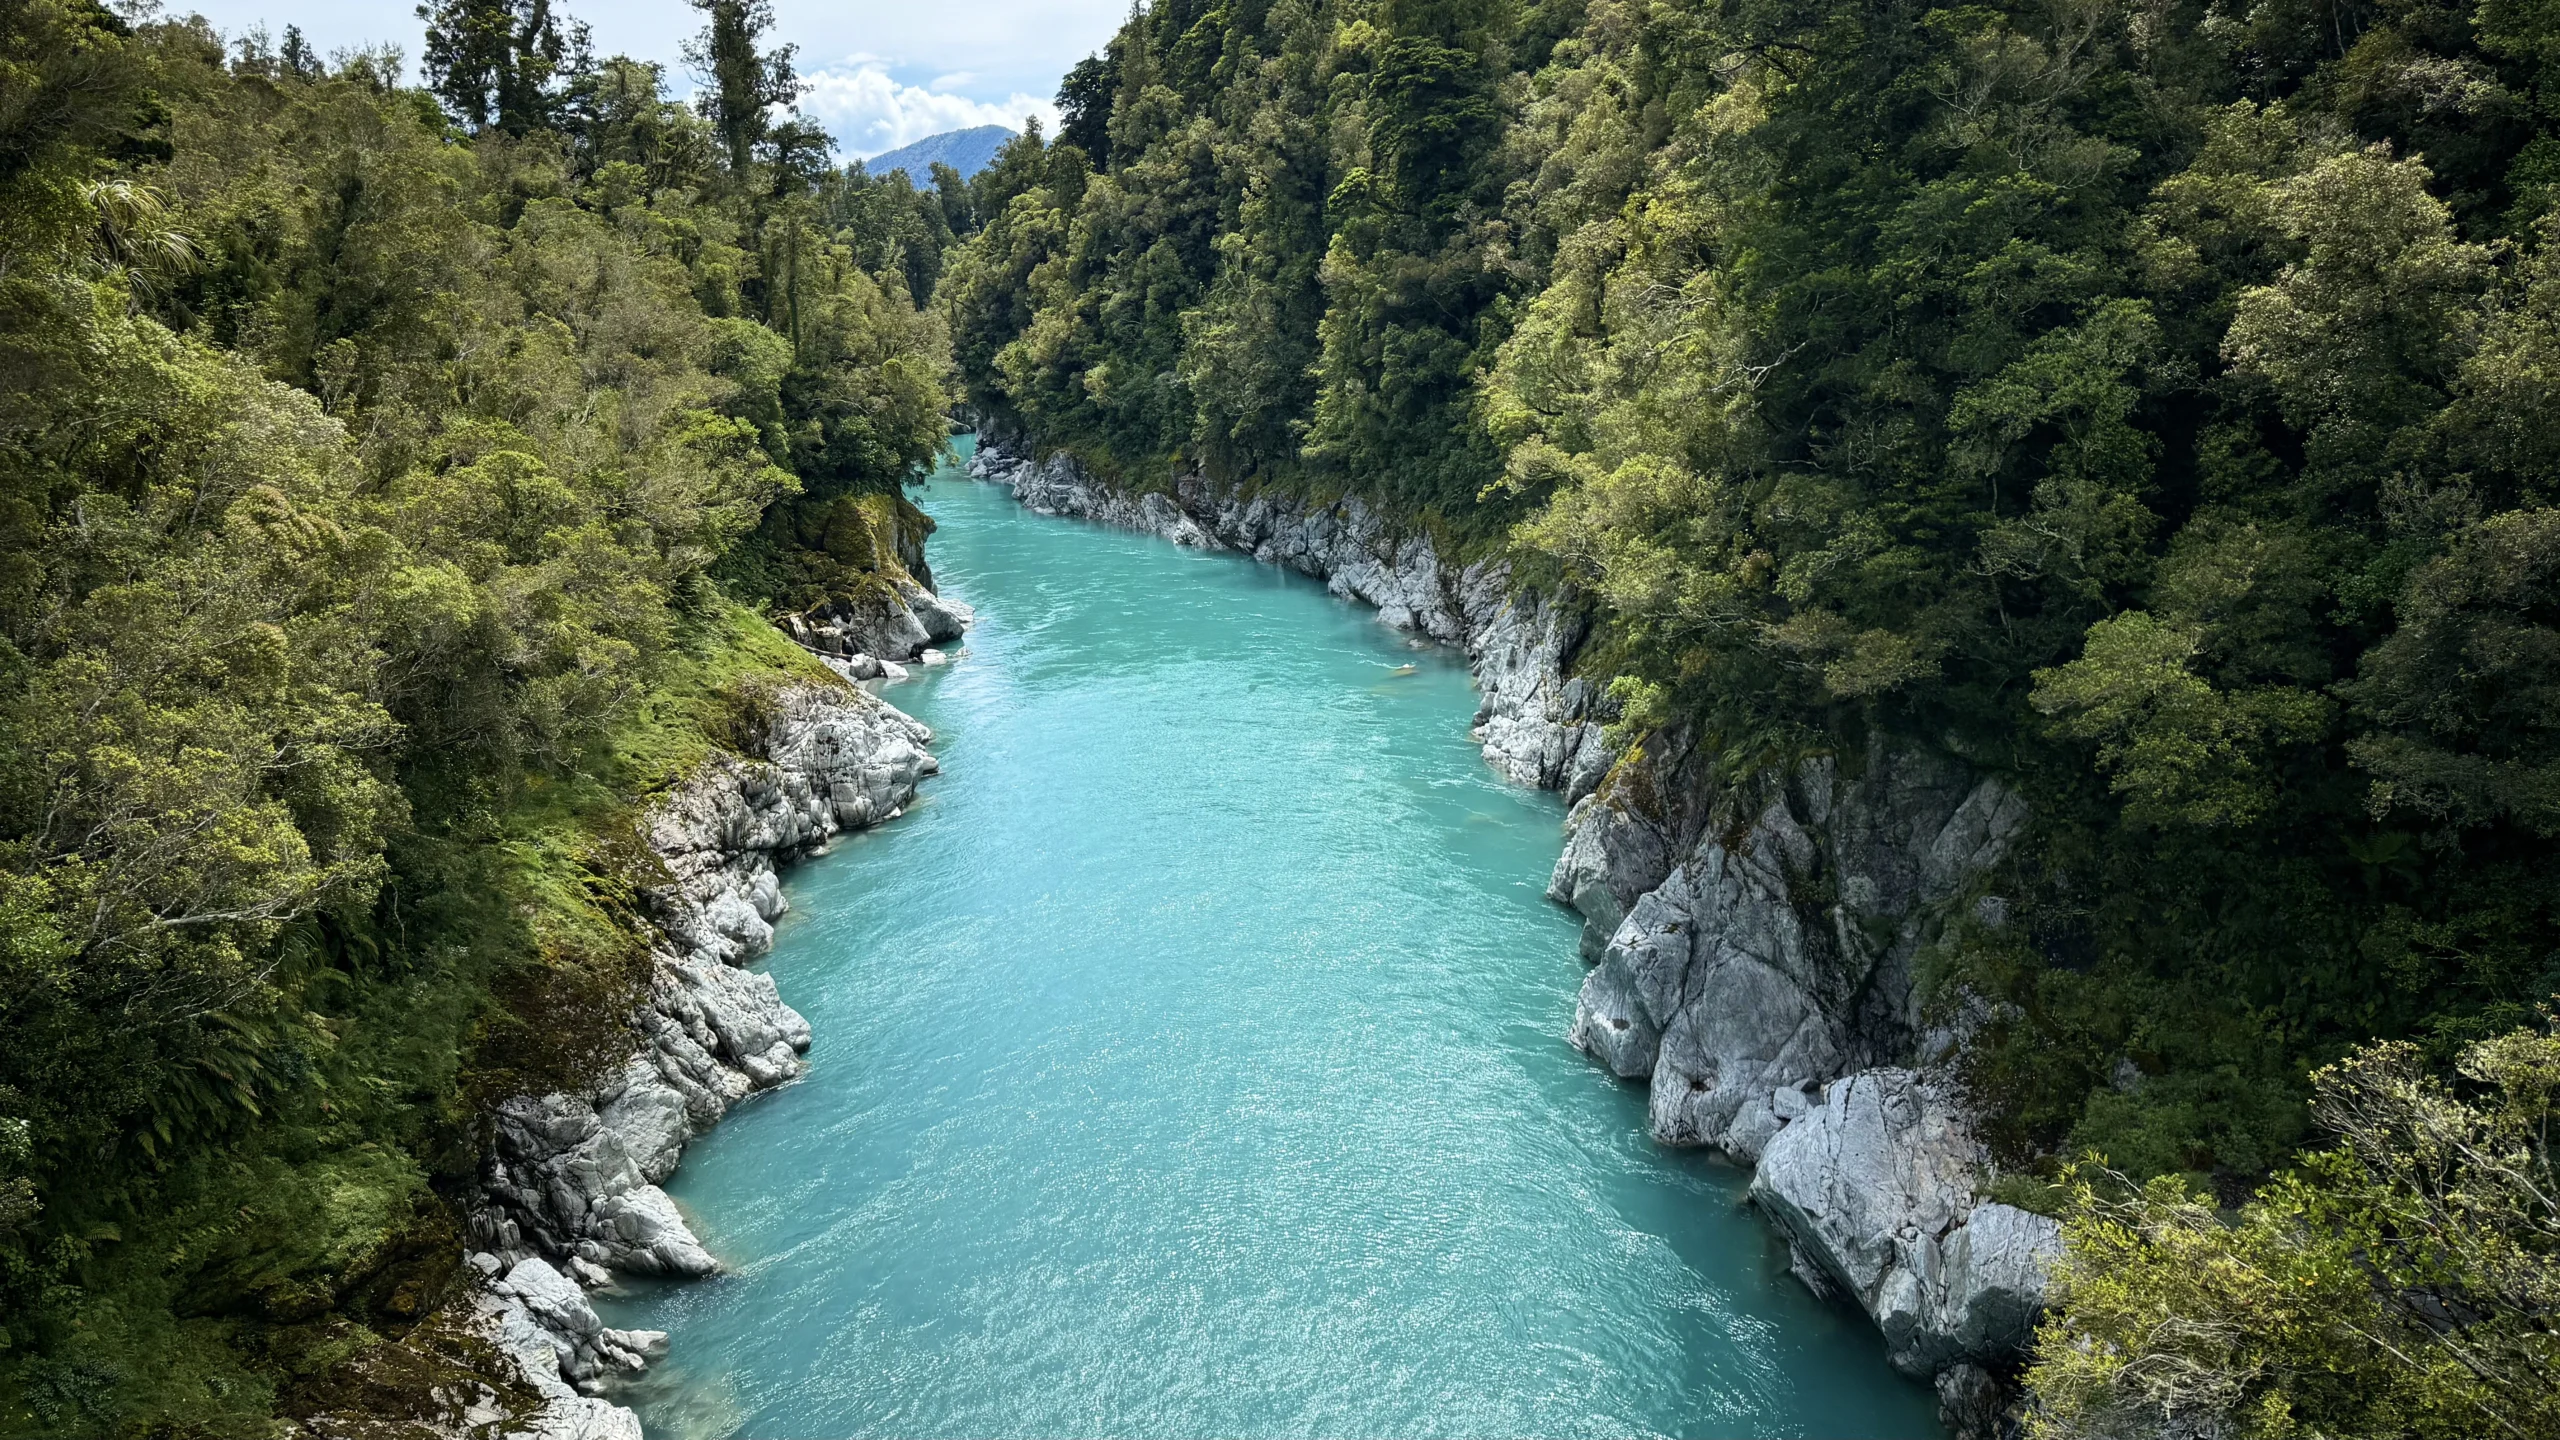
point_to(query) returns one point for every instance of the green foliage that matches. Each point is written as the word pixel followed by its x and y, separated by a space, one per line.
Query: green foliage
pixel 364 486
pixel 2465 694
pixel 2401 1282
pixel 1084 106
pixel 1261 245
pixel 492 62
pixel 2178 750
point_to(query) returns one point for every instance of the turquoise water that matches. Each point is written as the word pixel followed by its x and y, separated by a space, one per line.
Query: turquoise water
pixel 1190 1062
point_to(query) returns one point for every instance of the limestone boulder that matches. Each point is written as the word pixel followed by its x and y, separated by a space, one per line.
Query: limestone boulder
pixel 1875 1189
pixel 1614 854
pixel 1610 1023
pixel 1995 1269
pixel 943 619
pixel 544 1336
pixel 641 1233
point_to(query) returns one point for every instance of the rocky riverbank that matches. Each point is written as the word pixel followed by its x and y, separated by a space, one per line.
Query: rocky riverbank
pixel 570 1195
pixel 1536 724
pixel 1751 947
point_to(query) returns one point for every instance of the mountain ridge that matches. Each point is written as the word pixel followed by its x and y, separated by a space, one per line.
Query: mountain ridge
pixel 967 151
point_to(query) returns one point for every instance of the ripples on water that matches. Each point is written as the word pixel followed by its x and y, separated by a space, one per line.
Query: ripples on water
pixel 1189 1063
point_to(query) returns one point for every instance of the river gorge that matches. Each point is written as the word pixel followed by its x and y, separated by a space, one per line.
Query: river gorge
pixel 1190 1059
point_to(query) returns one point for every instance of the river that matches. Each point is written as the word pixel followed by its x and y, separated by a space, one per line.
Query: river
pixel 1190 1062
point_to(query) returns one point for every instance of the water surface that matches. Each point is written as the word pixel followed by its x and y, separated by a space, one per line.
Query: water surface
pixel 1189 1063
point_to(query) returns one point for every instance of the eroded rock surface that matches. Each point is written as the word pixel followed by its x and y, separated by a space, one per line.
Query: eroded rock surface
pixel 1762 989
pixel 892 622
pixel 1875 1188
pixel 1771 959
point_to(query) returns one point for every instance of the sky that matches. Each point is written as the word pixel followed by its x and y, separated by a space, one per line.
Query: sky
pixel 882 73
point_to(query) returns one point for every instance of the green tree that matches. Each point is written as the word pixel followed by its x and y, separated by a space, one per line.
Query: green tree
pixel 742 82
pixel 366 489
pixel 2402 1282
pixel 496 62
pixel 1085 98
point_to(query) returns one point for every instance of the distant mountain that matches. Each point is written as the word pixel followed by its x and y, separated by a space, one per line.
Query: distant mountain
pixel 966 151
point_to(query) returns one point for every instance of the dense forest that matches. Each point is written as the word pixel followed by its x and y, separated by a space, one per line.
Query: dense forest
pixel 2155 404
pixel 389 476
pixel 2149 401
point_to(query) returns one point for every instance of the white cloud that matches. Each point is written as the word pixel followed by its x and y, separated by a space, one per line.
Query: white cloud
pixel 869 112
pixel 953 81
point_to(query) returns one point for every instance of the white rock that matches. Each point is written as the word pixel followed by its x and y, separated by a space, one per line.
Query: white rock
pixel 1610 1022
pixel 575 1177
pixel 943 618
pixel 1875 1188
pixel 552 1298
pixel 1779 954
pixel 1613 855
pixel 1884 1154
pixel 764 892
pixel 1996 1270
pixel 647 1344
pixel 535 1353
pixel 860 632
pixel 641 1232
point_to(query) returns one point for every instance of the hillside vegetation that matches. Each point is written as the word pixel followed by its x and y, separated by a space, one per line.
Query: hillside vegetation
pixel 2152 403
pixel 385 476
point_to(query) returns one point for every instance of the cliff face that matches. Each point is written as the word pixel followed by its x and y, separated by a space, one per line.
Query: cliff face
pixel 1751 966
pixel 1752 949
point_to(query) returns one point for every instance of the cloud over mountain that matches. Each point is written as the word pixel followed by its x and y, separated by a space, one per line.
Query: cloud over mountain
pixel 869 111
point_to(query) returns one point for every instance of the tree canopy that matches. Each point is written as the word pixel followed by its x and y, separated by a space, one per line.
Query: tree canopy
pixel 385 477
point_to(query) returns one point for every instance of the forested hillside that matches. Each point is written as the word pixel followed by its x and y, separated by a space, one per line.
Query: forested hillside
pixel 2152 404
pixel 386 474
